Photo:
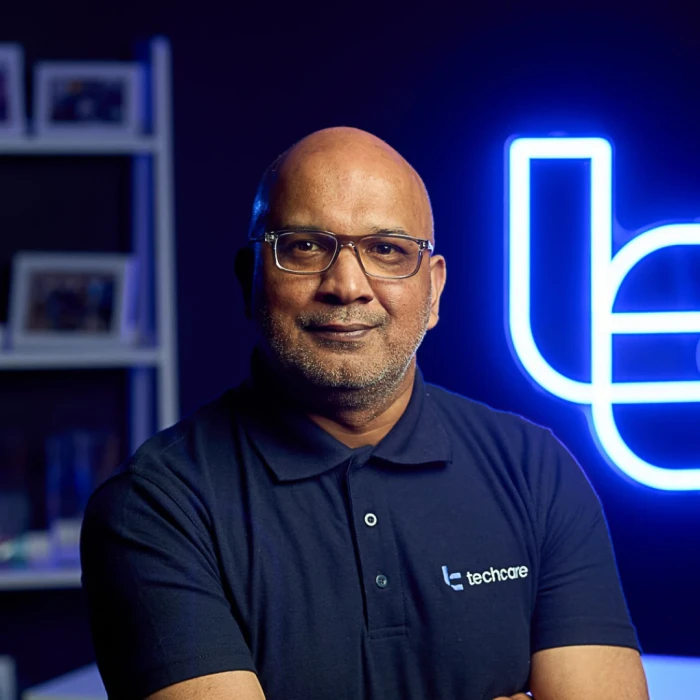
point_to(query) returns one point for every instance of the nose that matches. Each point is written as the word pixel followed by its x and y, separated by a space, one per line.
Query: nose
pixel 345 282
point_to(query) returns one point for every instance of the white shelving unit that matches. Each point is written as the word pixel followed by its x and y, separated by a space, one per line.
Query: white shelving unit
pixel 50 146
pixel 153 388
pixel 36 579
pixel 136 357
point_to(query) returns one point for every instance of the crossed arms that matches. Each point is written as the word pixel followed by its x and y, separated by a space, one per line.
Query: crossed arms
pixel 565 673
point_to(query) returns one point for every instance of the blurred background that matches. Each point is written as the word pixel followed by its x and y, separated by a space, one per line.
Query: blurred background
pixel 447 87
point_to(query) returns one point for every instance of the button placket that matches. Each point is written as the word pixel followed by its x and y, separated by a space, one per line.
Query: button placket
pixel 377 550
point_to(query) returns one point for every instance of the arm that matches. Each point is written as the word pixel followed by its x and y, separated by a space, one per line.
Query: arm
pixel 232 685
pixel 583 645
pixel 586 672
pixel 579 603
pixel 158 611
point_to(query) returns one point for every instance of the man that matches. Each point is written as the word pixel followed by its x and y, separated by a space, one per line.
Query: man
pixel 335 527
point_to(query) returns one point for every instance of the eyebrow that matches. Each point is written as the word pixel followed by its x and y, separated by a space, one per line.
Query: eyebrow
pixel 398 230
pixel 375 230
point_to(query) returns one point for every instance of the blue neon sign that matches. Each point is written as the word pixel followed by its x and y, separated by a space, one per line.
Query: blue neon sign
pixel 607 273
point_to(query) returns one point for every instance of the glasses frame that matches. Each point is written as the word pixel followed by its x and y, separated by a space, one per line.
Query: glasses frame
pixel 272 237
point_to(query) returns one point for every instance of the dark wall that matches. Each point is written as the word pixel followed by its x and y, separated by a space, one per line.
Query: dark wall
pixel 446 88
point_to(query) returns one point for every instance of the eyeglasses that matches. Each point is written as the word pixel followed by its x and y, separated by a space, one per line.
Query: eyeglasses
pixel 385 255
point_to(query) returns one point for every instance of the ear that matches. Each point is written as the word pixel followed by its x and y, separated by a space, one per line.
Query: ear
pixel 245 270
pixel 438 277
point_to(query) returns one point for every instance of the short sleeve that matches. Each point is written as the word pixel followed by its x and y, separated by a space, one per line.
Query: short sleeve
pixel 158 611
pixel 579 597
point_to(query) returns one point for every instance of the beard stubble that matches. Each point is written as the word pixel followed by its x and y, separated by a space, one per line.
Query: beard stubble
pixel 358 383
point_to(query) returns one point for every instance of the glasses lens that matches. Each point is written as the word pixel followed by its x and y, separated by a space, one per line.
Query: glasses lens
pixel 382 256
pixel 305 251
pixel 389 256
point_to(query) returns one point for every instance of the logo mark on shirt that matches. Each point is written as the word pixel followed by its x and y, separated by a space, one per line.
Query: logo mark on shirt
pixel 492 575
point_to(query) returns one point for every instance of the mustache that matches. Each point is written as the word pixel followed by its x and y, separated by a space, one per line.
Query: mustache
pixel 311 319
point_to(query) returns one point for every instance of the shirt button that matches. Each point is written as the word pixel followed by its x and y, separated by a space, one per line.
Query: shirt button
pixel 370 519
pixel 382 581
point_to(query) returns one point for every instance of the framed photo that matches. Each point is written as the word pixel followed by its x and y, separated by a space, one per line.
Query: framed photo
pixel 12 119
pixel 72 301
pixel 88 99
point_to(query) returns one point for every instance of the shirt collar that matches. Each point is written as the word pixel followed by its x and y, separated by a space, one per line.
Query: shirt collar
pixel 294 447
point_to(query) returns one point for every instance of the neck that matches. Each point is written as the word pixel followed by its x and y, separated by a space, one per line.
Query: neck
pixel 353 419
pixel 370 424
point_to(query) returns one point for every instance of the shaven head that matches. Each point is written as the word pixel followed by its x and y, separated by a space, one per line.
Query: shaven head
pixel 344 337
pixel 335 144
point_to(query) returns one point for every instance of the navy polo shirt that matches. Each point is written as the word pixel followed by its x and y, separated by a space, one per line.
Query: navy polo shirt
pixel 432 565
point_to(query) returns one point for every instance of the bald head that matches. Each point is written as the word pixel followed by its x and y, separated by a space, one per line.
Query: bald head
pixel 330 167
pixel 342 335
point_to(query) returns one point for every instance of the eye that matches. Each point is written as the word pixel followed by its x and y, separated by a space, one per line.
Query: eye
pixel 385 249
pixel 300 243
pixel 306 246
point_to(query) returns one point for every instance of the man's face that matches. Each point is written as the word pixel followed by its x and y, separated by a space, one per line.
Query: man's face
pixel 342 329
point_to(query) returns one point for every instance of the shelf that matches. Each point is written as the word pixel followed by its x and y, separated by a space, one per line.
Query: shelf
pixel 39 579
pixel 69 146
pixel 90 359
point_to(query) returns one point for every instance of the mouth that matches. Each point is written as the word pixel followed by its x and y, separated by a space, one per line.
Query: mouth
pixel 342 332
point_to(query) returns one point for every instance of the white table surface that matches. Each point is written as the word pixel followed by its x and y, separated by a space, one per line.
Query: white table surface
pixel 83 684
pixel 672 677
pixel 669 678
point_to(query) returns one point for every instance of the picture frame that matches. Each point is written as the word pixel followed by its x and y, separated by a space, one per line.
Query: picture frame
pixel 12 104
pixel 88 99
pixel 72 301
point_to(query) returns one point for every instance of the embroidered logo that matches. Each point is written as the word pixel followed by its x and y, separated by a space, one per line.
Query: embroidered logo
pixel 491 575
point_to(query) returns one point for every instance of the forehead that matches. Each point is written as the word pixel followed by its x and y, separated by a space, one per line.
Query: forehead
pixel 349 190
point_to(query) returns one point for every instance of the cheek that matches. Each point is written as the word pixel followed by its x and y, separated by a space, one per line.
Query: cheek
pixel 392 300
pixel 285 296
pixel 277 292
pixel 404 302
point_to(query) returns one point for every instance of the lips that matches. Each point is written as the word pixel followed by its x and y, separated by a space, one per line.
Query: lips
pixel 341 332
pixel 341 328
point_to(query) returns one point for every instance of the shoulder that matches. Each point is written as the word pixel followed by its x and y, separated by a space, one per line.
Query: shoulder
pixel 499 441
pixel 192 437
pixel 176 469
pixel 466 418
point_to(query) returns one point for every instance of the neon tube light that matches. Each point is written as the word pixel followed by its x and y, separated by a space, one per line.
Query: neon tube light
pixel 608 272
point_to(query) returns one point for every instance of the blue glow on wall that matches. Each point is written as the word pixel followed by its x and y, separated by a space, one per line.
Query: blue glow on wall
pixel 607 274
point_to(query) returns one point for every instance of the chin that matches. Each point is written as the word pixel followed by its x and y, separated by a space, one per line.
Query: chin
pixel 340 376
pixel 342 373
pixel 337 366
